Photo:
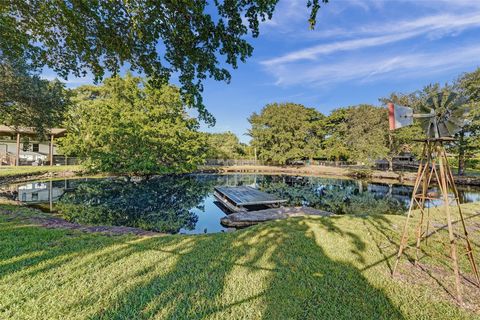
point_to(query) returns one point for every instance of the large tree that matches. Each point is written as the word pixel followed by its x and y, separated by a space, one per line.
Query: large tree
pixel 286 132
pixel 366 136
pixel 357 133
pixel 224 145
pixel 469 138
pixel 335 147
pixel 157 37
pixel 26 100
pixel 127 126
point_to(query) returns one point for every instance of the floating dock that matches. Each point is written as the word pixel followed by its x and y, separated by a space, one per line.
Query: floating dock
pixel 245 219
pixel 237 198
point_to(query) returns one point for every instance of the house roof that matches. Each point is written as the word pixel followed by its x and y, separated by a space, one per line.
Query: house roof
pixel 31 131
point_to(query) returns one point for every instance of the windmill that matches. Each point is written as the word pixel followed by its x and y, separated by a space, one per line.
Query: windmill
pixel 440 116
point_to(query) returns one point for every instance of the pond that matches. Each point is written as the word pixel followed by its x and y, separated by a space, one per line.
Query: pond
pixel 185 204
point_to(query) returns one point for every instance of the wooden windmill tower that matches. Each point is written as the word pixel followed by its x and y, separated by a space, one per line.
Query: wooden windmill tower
pixel 441 116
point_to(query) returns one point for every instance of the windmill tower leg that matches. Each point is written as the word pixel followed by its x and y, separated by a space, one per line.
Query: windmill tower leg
pixel 468 245
pixel 418 180
pixel 453 248
pixel 426 178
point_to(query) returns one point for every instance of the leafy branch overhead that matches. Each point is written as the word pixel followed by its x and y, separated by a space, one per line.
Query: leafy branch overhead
pixel 156 37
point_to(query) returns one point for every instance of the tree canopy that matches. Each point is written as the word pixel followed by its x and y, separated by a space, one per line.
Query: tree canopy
pixel 285 132
pixel 26 100
pixel 356 133
pixel 469 138
pixel 158 38
pixel 225 145
pixel 128 126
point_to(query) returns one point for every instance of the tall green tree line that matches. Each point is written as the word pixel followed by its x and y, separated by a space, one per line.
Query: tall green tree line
pixel 283 133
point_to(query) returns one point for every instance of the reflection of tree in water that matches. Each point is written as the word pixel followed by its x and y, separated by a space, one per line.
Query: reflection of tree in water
pixel 337 196
pixel 160 204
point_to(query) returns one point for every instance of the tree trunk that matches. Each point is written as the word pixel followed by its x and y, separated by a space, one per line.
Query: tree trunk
pixel 390 164
pixel 461 153
pixel 390 147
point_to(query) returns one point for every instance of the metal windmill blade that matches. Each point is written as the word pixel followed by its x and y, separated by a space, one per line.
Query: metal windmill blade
pixel 448 111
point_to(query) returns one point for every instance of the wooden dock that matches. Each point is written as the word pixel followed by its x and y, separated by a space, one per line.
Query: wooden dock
pixel 237 198
pixel 245 219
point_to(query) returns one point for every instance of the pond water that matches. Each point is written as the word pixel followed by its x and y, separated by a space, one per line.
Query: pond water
pixel 185 204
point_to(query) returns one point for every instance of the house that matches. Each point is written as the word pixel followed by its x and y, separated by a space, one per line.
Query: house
pixel 20 146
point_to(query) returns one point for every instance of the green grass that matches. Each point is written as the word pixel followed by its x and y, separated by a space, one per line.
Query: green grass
pixel 12 171
pixel 301 268
pixel 468 171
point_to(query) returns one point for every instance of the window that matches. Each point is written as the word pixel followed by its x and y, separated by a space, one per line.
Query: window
pixel 25 143
pixel 35 147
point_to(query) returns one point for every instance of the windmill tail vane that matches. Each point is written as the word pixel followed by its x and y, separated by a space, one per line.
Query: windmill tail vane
pixel 441 115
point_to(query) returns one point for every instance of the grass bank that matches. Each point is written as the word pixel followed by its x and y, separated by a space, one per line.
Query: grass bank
pixel 300 268
pixel 318 170
pixel 11 172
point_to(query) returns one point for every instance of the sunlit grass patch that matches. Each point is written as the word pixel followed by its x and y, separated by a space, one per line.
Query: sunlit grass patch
pixel 11 171
pixel 301 268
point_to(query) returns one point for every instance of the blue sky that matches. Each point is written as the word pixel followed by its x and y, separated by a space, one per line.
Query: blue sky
pixel 360 50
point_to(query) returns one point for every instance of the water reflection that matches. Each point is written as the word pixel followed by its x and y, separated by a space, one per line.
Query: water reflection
pixel 185 204
pixel 339 196
pixel 163 204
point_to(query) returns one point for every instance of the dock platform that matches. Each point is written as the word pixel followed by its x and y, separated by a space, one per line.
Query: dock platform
pixel 246 219
pixel 237 198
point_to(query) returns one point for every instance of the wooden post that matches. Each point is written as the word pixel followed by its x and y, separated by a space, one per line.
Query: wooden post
pixel 50 195
pixel 418 180
pixel 453 248
pixel 17 160
pixel 51 150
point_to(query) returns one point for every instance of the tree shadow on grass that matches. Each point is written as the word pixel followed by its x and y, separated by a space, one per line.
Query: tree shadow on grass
pixel 323 287
pixel 29 247
pixel 274 271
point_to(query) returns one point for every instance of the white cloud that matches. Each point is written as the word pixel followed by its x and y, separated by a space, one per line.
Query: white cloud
pixel 367 69
pixel 435 26
pixel 313 52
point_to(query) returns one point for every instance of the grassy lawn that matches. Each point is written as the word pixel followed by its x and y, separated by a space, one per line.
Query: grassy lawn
pixel 11 171
pixel 301 268
pixel 468 171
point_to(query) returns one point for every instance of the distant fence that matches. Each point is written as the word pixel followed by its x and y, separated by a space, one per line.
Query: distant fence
pixel 250 162
pixel 379 165
pixel 397 165
pixel 65 161
pixel 233 162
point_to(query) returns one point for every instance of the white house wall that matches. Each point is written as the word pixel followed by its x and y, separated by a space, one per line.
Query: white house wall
pixel 11 147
